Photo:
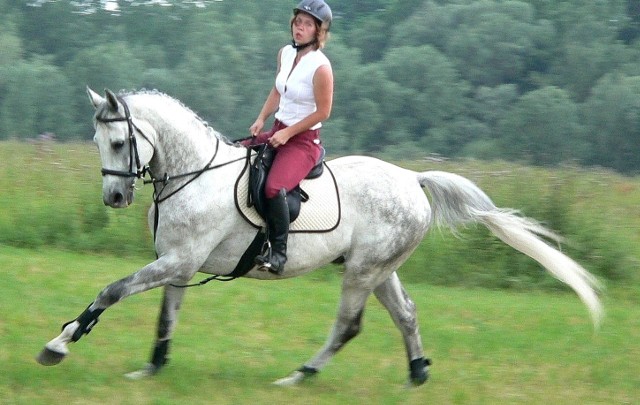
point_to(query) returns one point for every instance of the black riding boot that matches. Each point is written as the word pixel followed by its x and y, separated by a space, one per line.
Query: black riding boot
pixel 278 231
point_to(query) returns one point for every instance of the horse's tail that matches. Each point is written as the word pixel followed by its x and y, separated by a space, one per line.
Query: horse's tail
pixel 457 201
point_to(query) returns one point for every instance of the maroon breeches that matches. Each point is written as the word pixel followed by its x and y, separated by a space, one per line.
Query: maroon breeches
pixel 293 160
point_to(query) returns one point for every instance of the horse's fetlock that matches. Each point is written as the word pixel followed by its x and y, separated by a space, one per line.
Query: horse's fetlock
pixel 419 370
pixel 87 320
pixel 160 354
pixel 308 371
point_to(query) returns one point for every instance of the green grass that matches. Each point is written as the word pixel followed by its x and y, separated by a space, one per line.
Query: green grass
pixel 530 344
pixel 234 339
pixel 52 196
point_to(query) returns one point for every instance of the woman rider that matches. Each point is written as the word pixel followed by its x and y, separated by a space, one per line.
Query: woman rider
pixel 301 99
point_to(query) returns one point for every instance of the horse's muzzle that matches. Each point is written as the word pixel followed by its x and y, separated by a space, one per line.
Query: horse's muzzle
pixel 117 199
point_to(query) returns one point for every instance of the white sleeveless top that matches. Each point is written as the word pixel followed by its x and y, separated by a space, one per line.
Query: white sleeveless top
pixel 296 89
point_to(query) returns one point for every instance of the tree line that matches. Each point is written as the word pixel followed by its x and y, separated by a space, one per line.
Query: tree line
pixel 535 81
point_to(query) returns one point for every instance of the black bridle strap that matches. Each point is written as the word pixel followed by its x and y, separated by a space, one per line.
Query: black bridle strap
pixel 166 179
pixel 194 175
pixel 133 145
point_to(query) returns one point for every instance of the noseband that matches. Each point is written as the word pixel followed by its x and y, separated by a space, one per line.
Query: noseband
pixel 134 156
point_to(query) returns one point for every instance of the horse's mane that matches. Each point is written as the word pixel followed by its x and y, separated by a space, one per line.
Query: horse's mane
pixel 154 92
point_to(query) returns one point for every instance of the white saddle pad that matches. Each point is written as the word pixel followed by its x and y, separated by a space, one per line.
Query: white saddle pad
pixel 321 213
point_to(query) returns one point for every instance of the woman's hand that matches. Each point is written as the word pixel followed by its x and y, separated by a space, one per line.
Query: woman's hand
pixel 280 138
pixel 256 127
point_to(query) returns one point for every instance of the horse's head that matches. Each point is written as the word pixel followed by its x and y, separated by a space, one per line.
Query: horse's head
pixel 125 144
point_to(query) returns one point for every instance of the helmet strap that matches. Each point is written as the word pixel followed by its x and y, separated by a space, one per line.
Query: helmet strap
pixel 299 47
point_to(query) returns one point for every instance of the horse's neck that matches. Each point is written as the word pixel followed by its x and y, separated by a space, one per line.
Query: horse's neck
pixel 179 150
pixel 183 142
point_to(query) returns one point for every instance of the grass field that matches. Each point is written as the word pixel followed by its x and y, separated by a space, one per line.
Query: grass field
pixel 51 197
pixel 234 339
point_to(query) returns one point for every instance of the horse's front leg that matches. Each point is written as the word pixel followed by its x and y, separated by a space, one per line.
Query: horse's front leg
pixel 167 321
pixel 165 270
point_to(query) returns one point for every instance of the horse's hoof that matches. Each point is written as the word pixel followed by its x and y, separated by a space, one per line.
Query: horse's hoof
pixel 293 379
pixel 419 371
pixel 147 371
pixel 416 382
pixel 48 357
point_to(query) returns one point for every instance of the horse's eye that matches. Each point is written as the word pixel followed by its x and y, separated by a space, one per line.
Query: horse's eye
pixel 117 145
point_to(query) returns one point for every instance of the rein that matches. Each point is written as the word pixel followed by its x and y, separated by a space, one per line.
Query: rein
pixel 141 172
pixel 196 173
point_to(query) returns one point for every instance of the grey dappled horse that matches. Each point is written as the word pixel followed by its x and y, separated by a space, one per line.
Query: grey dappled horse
pixel 385 215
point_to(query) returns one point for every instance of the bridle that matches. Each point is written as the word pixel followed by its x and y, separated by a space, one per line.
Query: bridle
pixel 160 183
pixel 134 156
pixel 139 171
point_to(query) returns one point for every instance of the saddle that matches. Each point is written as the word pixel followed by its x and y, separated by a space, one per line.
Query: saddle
pixel 319 192
pixel 322 212
pixel 258 171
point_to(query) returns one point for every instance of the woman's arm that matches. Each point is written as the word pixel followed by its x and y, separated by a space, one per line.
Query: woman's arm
pixel 269 107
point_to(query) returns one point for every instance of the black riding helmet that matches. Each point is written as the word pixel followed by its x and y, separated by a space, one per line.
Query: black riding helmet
pixel 318 9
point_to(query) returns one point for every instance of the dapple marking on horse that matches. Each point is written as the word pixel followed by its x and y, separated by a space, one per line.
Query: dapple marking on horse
pixel 386 214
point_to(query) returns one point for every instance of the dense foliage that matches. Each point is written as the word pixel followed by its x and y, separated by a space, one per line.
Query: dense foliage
pixel 541 82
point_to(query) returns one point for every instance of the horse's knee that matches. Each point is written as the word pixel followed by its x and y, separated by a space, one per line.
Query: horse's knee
pixel 352 331
pixel 408 322
pixel 112 294
pixel 353 326
pixel 408 317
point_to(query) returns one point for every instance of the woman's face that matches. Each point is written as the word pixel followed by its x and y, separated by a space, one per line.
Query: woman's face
pixel 303 28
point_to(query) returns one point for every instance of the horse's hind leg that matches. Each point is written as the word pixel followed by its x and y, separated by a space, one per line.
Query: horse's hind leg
pixel 346 327
pixel 167 321
pixel 403 312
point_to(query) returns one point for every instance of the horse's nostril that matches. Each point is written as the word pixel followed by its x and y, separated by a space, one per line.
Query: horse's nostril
pixel 118 198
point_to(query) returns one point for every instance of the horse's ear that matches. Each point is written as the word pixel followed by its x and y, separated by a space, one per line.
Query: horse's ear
pixel 94 97
pixel 112 99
